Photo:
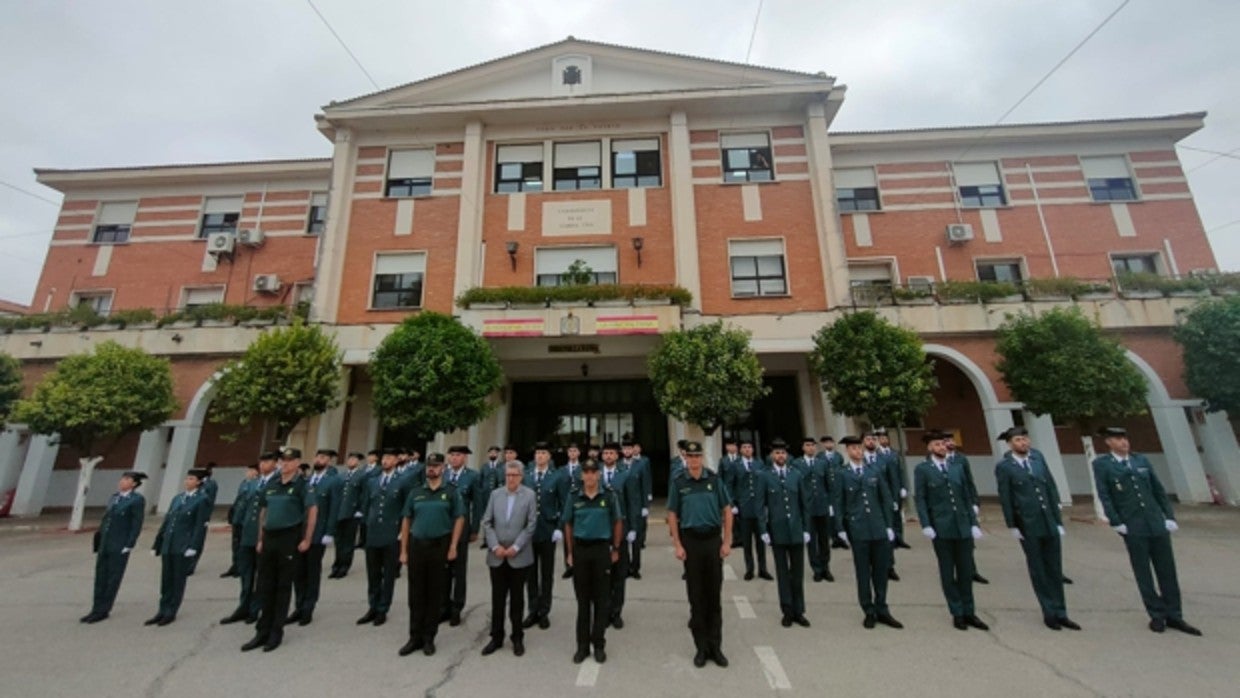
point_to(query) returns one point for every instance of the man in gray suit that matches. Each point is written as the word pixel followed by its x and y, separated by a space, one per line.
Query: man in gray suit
pixel 508 526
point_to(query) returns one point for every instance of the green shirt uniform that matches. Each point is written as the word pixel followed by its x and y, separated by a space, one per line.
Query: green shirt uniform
pixel 432 512
pixel 698 504
pixel 119 530
pixel 592 517
pixel 286 503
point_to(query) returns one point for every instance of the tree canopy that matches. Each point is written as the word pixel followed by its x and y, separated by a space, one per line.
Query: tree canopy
pixel 707 375
pixel 1210 335
pixel 285 375
pixel 872 368
pixel 434 374
pixel 10 384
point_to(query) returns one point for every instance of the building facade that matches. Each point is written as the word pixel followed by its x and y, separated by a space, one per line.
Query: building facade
pixel 635 167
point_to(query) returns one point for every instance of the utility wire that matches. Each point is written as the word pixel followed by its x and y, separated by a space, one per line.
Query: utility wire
pixel 1217 156
pixel 343 44
pixel 27 192
pixel 753 33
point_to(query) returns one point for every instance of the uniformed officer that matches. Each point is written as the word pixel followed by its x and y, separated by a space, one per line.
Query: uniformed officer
pixel 235 519
pixel 432 527
pixel 247 511
pixel 117 535
pixel 383 499
pixel 1137 508
pixel 699 514
pixel 594 529
pixel 639 471
pixel 863 512
pixel 746 490
pixel 944 509
pixel 898 478
pixel 210 489
pixel 677 463
pixel 348 514
pixel 551 490
pixel 572 471
pixel 954 455
pixel 178 542
pixel 785 527
pixel 286 521
pixel 816 472
pixel 729 460
pixel 893 476
pixel 628 496
pixel 835 466
pixel 468 487
pixel 1030 502
pixel 325 487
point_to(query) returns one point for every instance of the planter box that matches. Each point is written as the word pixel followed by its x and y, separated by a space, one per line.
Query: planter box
pixel 1096 296
pixel 259 322
pixel 497 305
pixel 639 302
pixel 1056 297
pixel 612 303
pixel 1141 294
pixel 527 306
pixel 65 329
pixel 1189 294
pixel 1014 298
pixel 569 304
pixel 218 323
pixel 923 300
pixel 1226 291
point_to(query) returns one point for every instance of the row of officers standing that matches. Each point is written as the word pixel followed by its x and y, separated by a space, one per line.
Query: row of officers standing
pixel 423 517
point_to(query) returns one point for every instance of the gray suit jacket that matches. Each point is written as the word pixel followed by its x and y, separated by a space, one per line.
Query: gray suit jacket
pixel 499 529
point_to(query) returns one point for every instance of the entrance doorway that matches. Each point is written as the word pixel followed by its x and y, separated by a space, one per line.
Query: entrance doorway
pixel 778 414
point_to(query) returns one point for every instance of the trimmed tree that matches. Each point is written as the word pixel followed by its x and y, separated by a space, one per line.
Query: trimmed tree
pixel 1210 334
pixel 93 400
pixel 871 368
pixel 1060 363
pixel 285 375
pixel 707 375
pixel 434 374
pixel 10 384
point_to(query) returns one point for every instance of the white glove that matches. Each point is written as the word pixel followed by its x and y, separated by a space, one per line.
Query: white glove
pixel 190 552
pixel 895 506
pixel 645 512
pixel 977 532
pixel 1172 526
pixel 842 536
pixel 805 537
pixel 357 514
pixel 736 512
pixel 903 493
pixel 1062 532
pixel 1121 529
pixel 766 538
pixel 1017 534
pixel 830 511
pixel 125 551
pixel 891 535
pixel 929 532
pixel 976 510
pixel 630 536
pixel 557 536
pixel 328 540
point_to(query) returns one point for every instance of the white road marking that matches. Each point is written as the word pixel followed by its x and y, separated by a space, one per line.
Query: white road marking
pixel 729 574
pixel 588 674
pixel 743 607
pixel 774 671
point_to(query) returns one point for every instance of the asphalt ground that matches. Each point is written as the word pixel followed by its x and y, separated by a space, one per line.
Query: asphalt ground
pixel 46 578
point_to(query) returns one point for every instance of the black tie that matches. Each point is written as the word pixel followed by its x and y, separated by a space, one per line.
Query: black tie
pixel 383 485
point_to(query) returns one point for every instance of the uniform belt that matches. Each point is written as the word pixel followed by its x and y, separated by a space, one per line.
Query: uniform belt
pixel 590 542
pixel 700 532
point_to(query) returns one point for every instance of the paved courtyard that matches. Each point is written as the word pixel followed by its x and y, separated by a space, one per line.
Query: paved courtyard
pixel 45 585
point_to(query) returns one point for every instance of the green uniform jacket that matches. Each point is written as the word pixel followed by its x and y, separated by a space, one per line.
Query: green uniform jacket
pixel 351 484
pixel 943 500
pixel 382 508
pixel 248 508
pixel 550 497
pixel 469 488
pixel 786 504
pixel 211 489
pixel 863 503
pixel 639 469
pixel 1030 499
pixel 816 472
pixel 490 477
pixel 896 479
pixel 1132 495
pixel 746 488
pixel 628 495
pixel 122 522
pixel 327 498
pixel 970 485
pixel 185 525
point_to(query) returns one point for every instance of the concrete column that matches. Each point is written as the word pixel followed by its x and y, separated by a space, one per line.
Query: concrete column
pixel 331 422
pixel 1222 454
pixel 1042 434
pixel 181 455
pixel 806 389
pixel 684 215
pixel 150 457
pixel 834 259
pixel 12 455
pixel 36 475
pixel 329 269
pixel 1187 472
pixel 836 424
pixel 998 420
pixel 469 220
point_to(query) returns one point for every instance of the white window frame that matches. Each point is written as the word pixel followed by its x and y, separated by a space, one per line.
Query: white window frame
pixel 117 216
pixel 1160 264
pixel 418 171
pixel 746 140
pixel 628 144
pixel 1112 168
pixel 758 248
pixel 583 252
pixel 524 161
pixel 187 291
pixel 853 179
pixel 965 174
pixel 221 206
pixel 1019 261
pixel 317 199
pixel 92 295
pixel 565 153
pixel 415 264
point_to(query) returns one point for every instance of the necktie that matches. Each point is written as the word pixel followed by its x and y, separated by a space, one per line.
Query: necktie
pixel 943 467
pixel 781 474
pixel 609 478
pixel 383 485
pixel 538 479
pixel 1126 464
pixel 1024 463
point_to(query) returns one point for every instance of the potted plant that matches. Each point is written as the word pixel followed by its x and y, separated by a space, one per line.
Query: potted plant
pixel 913 295
pixel 1140 285
pixel 130 317
pixel 1059 289
pixel 958 292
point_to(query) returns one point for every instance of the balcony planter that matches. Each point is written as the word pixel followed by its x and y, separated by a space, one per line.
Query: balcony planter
pixel 573 295
pixel 611 303
pixel 640 302
pixel 965 292
pixel 568 304
pixel 908 296
pixel 496 305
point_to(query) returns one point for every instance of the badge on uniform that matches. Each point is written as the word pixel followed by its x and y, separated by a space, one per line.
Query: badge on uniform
pixel 708 487
pixel 1119 486
pixel 444 497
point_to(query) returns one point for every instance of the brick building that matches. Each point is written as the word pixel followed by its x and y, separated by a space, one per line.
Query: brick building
pixel 651 168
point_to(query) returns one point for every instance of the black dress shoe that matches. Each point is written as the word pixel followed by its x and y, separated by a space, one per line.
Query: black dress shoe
pixel 429 648
pixel 870 620
pixel 1067 580
pixel 717 655
pixel 251 619
pixel 581 654
pixel 887 620
pixel 380 619
pixel 568 573
pixel 530 621
pixel 492 647
pixel 518 647
pixel 273 644
pixel 254 644
pixel 1158 625
pixel 801 620
pixel 839 545
pixel 599 655
pixel 166 620
pixel 454 618
pixel 368 618
pixel 230 572
pixel 617 622
pixel 292 618
pixel 817 576
pixel 979 579
pixel 902 544
pixel 826 574
pixel 699 659
pixel 236 616
pixel 88 618
pixel 891 574
pixel 96 617
pixel 976 622
pixel 786 621
pixel 306 618
pixel 1052 623
pixel 635 574
pixel 544 622
pixel 765 575
pixel 1068 623
pixel 413 646
pixel 153 620
pixel 959 623
pixel 1183 627
pixel 748 576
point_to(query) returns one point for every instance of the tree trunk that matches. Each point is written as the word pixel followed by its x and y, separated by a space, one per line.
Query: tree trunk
pixel 86 469
pixel 1088 442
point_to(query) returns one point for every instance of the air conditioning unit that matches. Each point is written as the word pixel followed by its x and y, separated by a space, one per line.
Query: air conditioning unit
pixel 266 283
pixel 221 243
pixel 959 232
pixel 921 283
pixel 252 237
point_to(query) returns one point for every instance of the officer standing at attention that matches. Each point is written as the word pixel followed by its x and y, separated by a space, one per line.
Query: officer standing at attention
pixel 1137 507
pixel 816 471
pixel 286 520
pixel 594 530
pixel 746 489
pixel 941 492
pixel 863 511
pixel 431 529
pixel 178 542
pixel 785 527
pixel 639 471
pixel 835 466
pixel 898 480
pixel 210 489
pixel 348 514
pixel 699 514
pixel 955 456
pixel 383 499
pixel 325 487
pixel 874 458
pixel 628 497
pixel 1030 502
pixel 249 605
pixel 551 490
pixel 465 481
pixel 117 535
pixel 234 518
pixel 572 472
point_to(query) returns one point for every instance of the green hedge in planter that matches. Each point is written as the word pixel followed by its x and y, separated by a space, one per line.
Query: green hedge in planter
pixel 976 290
pixel 581 293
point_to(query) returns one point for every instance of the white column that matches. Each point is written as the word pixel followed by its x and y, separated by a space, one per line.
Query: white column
pixel 1218 441
pixel 12 455
pixel 684 215
pixel 806 388
pixel 150 457
pixel 1187 472
pixel 998 420
pixel 36 475
pixel 837 424
pixel 181 455
pixel 331 422
pixel 1042 434
pixel 834 259
pixel 469 220
pixel 330 267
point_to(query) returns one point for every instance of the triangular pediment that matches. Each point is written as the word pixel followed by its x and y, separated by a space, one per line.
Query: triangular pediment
pixel 577 68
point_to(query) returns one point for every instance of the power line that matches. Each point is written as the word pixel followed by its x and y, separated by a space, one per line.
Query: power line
pixel 343 44
pixel 27 192
pixel 1225 225
pixel 1217 156
pixel 753 33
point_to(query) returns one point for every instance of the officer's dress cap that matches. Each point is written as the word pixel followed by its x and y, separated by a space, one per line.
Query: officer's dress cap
pixel 850 440
pixel 290 453
pixel 693 448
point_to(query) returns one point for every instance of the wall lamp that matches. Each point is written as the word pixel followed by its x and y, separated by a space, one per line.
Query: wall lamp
pixel 512 246
pixel 177 338
pixel 638 243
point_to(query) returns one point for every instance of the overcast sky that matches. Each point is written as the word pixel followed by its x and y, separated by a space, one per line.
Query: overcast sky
pixel 91 84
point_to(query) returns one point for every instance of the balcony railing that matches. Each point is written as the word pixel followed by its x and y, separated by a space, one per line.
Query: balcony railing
pixel 211 314
pixel 1057 289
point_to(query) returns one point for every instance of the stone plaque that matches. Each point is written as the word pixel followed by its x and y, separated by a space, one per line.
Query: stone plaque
pixel 576 217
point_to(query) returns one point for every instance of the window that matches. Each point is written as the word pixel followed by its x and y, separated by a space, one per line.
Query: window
pixel 1109 179
pixel 220 214
pixel 410 172
pixel 757 268
pixel 519 168
pixel 578 166
pixel 398 280
pixel 979 184
pixel 856 189
pixel 999 270
pixel 635 163
pixel 98 301
pixel 317 221
pixel 746 157
pixel 114 221
pixel 192 297
pixel 1134 264
pixel 551 263
pixel 870 283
